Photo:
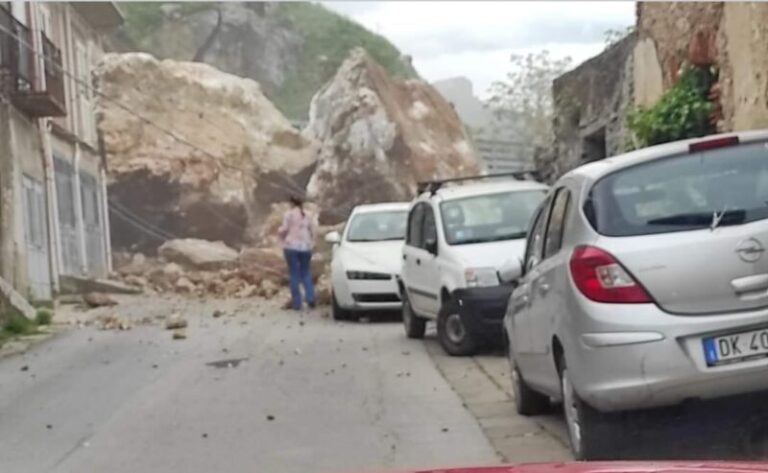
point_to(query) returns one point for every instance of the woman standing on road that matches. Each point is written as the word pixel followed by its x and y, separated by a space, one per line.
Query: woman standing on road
pixel 298 235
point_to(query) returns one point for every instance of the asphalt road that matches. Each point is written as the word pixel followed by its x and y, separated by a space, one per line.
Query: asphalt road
pixel 261 391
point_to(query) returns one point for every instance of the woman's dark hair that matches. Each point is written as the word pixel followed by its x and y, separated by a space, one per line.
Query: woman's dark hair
pixel 297 201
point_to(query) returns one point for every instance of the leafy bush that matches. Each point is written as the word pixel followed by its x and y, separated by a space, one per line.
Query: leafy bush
pixel 682 112
pixel 19 325
pixel 43 317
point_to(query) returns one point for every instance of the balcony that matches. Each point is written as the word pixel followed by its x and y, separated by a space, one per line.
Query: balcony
pixel 35 84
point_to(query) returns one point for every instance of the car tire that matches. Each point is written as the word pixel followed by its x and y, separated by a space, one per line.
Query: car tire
pixel 454 337
pixel 527 401
pixel 415 326
pixel 337 311
pixel 592 434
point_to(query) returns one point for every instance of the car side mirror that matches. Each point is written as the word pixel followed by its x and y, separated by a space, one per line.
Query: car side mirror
pixel 333 237
pixel 511 271
pixel 430 245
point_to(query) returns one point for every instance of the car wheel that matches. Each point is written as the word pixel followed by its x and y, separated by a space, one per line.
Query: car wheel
pixel 337 311
pixel 591 432
pixel 527 401
pixel 415 326
pixel 453 335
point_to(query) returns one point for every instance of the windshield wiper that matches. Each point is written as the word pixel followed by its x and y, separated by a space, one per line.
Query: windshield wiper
pixel 709 219
pixel 509 236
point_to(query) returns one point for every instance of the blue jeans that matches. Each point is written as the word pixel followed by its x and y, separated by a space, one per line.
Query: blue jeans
pixel 299 273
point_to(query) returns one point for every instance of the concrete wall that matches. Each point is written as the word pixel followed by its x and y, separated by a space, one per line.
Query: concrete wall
pixel 590 104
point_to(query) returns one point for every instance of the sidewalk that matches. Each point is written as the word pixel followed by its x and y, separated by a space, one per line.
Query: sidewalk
pixel 483 384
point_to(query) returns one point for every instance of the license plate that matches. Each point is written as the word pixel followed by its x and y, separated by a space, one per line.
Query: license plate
pixel 736 347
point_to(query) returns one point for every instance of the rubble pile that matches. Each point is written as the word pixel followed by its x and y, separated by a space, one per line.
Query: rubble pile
pixel 253 272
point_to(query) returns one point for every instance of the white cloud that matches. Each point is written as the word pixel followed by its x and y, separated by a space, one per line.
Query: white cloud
pixel 475 39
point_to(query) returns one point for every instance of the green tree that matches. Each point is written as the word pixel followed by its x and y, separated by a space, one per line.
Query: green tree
pixel 525 97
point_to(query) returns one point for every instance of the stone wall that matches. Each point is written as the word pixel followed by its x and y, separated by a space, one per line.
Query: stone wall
pixel 590 104
pixel 729 35
pixel 744 68
pixel 678 29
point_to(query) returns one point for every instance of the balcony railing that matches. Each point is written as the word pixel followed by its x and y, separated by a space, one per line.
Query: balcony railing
pixel 36 86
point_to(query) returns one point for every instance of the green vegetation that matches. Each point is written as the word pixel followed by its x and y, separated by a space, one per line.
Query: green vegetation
pixel 16 325
pixel 19 325
pixel 682 112
pixel 43 317
pixel 328 38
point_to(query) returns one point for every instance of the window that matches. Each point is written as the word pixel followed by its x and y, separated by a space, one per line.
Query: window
pixel 683 192
pixel 536 238
pixel 429 228
pixel 554 238
pixel 89 200
pixel 491 217
pixel 65 191
pixel 377 226
pixel 594 148
pixel 415 226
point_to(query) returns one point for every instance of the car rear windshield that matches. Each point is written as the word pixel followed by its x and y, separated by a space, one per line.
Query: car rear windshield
pixel 491 217
pixel 724 186
pixel 378 226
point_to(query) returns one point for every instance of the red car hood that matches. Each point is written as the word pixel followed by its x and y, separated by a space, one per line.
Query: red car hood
pixel 612 467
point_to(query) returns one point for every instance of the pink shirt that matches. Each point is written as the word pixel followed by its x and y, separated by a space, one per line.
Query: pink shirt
pixel 297 230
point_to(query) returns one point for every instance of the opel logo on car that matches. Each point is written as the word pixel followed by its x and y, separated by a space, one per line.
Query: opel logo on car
pixel 750 250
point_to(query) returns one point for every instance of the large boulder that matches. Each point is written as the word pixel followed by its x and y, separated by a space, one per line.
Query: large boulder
pixel 198 254
pixel 379 136
pixel 192 151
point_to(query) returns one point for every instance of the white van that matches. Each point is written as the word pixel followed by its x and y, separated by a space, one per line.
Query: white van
pixel 459 237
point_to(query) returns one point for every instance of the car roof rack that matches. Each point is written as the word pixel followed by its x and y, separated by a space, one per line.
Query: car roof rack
pixel 433 186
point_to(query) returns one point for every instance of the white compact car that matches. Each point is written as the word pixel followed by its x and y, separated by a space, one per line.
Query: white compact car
pixel 458 241
pixel 366 260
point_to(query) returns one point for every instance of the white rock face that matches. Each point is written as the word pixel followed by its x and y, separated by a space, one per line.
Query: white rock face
pixel 379 136
pixel 221 155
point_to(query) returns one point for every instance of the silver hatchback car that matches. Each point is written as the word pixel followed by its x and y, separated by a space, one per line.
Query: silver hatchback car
pixel 644 284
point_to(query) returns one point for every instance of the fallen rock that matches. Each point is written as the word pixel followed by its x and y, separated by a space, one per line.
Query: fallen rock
pixel 184 285
pixel 179 334
pixel 260 264
pixel 198 254
pixel 244 154
pixel 379 136
pixel 268 289
pixel 175 321
pixel 98 299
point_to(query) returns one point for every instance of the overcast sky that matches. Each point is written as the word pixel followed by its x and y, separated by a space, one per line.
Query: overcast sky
pixel 475 39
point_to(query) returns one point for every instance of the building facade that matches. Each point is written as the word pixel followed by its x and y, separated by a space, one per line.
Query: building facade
pixel 52 175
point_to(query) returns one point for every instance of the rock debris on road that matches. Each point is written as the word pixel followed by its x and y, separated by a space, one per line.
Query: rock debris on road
pixel 144 403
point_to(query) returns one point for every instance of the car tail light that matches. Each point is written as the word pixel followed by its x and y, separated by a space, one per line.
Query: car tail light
pixel 713 143
pixel 601 278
